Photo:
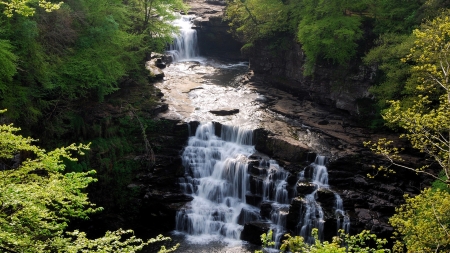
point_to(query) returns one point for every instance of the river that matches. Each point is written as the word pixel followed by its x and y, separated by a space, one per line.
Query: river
pixel 228 179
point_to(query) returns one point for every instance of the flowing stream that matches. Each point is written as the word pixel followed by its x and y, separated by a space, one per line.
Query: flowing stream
pixel 227 178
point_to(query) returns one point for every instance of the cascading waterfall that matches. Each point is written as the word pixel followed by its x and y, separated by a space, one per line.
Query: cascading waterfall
pixel 217 178
pixel 312 212
pixel 226 195
pixel 185 45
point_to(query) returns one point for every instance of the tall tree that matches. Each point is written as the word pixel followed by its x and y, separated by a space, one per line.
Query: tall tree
pixel 423 222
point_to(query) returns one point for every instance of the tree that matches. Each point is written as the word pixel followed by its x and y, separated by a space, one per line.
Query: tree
pixel 424 222
pixel 329 30
pixel 23 7
pixel 426 121
pixel 253 20
pixel 37 201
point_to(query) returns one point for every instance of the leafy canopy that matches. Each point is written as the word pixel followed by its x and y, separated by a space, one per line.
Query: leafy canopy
pixel 423 222
pixel 427 121
pixel 37 201
pixel 23 7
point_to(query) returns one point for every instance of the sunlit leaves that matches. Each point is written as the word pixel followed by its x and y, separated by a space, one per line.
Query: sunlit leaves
pixel 363 242
pixel 37 200
pixel 424 222
pixel 427 121
pixel 23 7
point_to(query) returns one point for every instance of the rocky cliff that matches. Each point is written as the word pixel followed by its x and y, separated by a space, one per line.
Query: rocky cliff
pixel 340 87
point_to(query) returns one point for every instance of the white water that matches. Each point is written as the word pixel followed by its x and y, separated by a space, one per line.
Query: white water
pixel 313 215
pixel 217 178
pixel 184 46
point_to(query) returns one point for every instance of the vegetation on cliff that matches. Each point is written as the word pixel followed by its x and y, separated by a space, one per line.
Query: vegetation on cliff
pixel 58 62
pixel 39 198
pixel 360 243
pixel 81 51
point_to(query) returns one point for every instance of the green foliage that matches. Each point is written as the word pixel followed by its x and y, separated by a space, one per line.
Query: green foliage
pixel 398 17
pixel 345 243
pixel 328 30
pixel 426 121
pixel 7 64
pixel 258 19
pixel 23 7
pixel 387 55
pixel 56 56
pixel 38 199
pixel 439 184
pixel 423 222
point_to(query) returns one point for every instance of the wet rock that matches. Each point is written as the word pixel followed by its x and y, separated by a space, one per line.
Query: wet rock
pixel 305 188
pixel 266 209
pixel 247 216
pixel 295 212
pixel 253 230
pixel 224 112
pixel 167 197
pixel 155 72
pixel 160 64
pixel 326 198
pixel 253 199
pixel 292 179
pixel 256 184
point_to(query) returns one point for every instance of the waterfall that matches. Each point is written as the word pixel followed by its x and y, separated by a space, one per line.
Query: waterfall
pixel 217 178
pixel 184 46
pixel 312 213
pixel 230 185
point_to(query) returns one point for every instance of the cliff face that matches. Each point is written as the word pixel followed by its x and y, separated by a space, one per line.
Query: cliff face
pixel 214 38
pixel 330 85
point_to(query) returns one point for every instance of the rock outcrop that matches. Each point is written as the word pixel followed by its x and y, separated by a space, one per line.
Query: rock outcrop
pixel 213 34
pixel 342 88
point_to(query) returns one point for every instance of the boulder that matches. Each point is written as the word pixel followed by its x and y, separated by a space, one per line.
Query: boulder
pixel 224 112
pixel 253 230
pixel 155 72
pixel 326 198
pixel 305 188
pixel 253 199
pixel 247 216
pixel 266 209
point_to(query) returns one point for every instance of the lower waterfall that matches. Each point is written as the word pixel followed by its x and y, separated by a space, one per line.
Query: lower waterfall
pixel 230 182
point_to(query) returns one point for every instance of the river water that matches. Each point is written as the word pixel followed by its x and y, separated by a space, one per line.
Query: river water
pixel 217 164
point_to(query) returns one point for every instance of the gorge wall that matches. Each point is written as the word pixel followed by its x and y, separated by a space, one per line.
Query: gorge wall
pixel 330 85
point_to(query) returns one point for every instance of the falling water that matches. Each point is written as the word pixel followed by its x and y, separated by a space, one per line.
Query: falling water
pixel 226 195
pixel 342 219
pixel 217 178
pixel 312 212
pixel 184 46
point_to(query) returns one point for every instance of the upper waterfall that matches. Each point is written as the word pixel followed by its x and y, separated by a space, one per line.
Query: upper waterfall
pixel 184 46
